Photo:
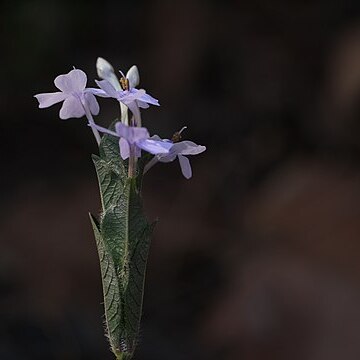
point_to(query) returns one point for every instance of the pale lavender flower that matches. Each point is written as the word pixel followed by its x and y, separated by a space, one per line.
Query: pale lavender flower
pixel 128 97
pixel 131 97
pixel 177 150
pixel 124 90
pixel 138 136
pixel 106 72
pixel 77 98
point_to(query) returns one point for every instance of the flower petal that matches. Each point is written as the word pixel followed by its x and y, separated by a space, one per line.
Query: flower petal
pixel 156 137
pixel 75 80
pixel 130 133
pixel 103 130
pixel 48 99
pixel 91 102
pixel 142 105
pixel 133 76
pixel 106 72
pixel 72 108
pixel 185 166
pixel 171 156
pixel 97 92
pixel 148 99
pixel 153 146
pixel 124 148
pixel 107 87
pixel 129 96
pixel 187 148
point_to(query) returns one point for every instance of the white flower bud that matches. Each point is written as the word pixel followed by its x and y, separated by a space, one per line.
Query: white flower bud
pixel 133 76
pixel 106 72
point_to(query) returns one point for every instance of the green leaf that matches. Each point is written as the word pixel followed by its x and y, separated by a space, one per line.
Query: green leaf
pixel 138 232
pixel 109 151
pixel 127 235
pixel 111 289
pixel 133 294
pixel 111 183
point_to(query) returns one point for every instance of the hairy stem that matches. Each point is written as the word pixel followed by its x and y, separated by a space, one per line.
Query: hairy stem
pixel 132 162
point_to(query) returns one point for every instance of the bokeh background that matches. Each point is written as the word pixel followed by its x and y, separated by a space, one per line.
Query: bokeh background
pixel 258 256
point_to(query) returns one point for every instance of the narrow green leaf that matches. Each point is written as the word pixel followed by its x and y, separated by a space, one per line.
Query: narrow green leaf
pixel 133 294
pixel 127 235
pixel 111 290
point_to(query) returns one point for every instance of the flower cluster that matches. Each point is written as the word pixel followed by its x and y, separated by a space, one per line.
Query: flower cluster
pixel 79 101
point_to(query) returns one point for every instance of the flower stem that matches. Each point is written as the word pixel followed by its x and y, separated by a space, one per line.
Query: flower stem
pixel 150 164
pixel 123 356
pixel 132 155
pixel 132 162
pixel 91 122
pixel 96 134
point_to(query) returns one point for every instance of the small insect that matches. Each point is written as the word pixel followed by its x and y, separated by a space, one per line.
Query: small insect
pixel 124 82
pixel 177 136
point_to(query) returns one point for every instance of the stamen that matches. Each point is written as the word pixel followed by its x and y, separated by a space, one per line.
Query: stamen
pixel 182 129
pixel 177 136
pixel 124 83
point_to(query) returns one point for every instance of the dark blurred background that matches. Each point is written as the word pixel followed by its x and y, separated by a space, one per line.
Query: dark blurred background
pixel 257 256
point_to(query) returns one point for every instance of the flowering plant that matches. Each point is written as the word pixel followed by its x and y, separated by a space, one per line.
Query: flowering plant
pixel 122 231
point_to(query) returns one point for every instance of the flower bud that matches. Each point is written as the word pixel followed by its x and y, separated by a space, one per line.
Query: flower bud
pixel 106 72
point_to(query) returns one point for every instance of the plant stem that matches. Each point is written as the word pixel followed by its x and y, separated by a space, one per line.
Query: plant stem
pixel 132 162
pixel 91 122
pixel 122 356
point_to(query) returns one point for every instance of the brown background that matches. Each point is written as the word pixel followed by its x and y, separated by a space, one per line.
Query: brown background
pixel 257 257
